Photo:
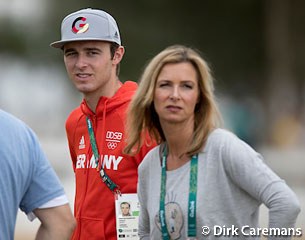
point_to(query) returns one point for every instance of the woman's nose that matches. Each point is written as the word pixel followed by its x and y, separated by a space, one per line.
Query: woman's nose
pixel 175 95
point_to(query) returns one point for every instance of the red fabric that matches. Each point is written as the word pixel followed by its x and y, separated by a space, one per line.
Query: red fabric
pixel 94 206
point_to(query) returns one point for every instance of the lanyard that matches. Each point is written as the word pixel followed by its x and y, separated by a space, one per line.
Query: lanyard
pixel 106 179
pixel 191 200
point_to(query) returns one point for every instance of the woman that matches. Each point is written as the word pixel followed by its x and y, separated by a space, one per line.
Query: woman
pixel 201 181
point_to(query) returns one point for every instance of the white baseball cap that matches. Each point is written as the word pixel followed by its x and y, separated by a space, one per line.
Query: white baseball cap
pixel 88 24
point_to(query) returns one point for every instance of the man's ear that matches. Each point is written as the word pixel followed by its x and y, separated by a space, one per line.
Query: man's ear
pixel 118 55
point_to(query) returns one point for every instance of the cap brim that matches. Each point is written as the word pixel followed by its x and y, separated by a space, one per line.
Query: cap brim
pixel 60 44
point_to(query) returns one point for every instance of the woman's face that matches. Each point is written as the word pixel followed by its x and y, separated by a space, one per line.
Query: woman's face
pixel 176 93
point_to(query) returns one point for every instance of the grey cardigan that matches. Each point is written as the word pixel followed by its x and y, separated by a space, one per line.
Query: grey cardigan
pixel 233 181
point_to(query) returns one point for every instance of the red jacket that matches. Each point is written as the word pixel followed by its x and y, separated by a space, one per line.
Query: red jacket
pixel 94 206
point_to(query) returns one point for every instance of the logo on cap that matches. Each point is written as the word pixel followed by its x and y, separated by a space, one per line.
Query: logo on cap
pixel 80 27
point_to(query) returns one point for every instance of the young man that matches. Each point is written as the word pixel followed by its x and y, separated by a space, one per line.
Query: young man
pixel 92 50
pixel 28 182
pixel 125 209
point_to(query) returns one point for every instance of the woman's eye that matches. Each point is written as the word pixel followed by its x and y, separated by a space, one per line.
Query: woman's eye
pixel 188 86
pixel 163 84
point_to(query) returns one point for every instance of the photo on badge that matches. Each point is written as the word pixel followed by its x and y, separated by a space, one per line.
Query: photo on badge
pixel 127 216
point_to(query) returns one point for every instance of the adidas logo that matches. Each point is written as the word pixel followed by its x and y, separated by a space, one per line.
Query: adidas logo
pixel 116 35
pixel 82 143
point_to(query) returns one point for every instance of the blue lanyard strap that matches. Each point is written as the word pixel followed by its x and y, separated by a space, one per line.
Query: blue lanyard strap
pixel 191 201
pixel 106 179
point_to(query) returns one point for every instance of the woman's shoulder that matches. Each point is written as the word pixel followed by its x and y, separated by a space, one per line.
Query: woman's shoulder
pixel 221 135
pixel 225 140
pixel 228 142
pixel 150 159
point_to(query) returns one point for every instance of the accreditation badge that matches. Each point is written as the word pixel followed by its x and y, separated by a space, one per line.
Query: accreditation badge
pixel 127 209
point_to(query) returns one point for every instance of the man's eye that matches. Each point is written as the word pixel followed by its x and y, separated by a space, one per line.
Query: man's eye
pixel 92 53
pixel 68 54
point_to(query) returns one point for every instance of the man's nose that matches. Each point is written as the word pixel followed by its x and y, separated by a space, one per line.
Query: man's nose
pixel 81 61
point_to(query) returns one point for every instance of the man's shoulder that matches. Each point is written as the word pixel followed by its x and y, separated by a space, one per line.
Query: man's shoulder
pixel 128 88
pixel 74 117
pixel 76 112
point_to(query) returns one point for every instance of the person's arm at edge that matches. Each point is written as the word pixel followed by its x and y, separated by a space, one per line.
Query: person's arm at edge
pixel 283 206
pixel 56 223
pixel 250 172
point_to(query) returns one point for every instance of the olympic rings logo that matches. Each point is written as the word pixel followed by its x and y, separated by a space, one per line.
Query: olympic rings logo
pixel 112 145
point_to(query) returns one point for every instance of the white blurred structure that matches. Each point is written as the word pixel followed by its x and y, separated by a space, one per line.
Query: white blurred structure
pixel 18 10
pixel 39 95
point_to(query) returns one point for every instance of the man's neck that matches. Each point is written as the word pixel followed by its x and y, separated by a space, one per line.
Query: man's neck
pixel 93 98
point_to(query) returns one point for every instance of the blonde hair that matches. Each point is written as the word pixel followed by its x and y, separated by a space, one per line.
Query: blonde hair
pixel 142 116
